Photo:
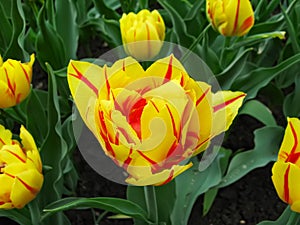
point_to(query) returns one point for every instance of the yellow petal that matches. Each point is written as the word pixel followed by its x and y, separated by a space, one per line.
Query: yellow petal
pixel 286 181
pixel 160 178
pixel 7 97
pixel 296 206
pixel 225 105
pixel 5 136
pixel 6 185
pixel 30 147
pixel 168 68
pixel 12 154
pixel 26 187
pixel 290 149
pixel 84 81
pixel 1 60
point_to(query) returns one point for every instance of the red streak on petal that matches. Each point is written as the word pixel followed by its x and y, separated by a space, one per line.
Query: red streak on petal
pixel 25 73
pixel 181 80
pixel 2 203
pixel 79 76
pixel 169 71
pixel 128 160
pixel 172 149
pixel 134 117
pixel 12 176
pixel 18 98
pixel 2 142
pixel 202 96
pixel 17 156
pixel 286 185
pixel 236 17
pixel 155 106
pixel 147 158
pixel 226 103
pixel 117 140
pixel 173 122
pixel 106 82
pixel 293 156
pixel 123 66
pixel 201 143
pixel 28 187
pixel 125 134
pixel 246 24
pixel 169 178
pixel 11 87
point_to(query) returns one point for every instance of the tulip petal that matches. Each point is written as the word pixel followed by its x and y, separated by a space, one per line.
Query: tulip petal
pixel 12 154
pixel 286 181
pixel 158 179
pixel 290 149
pixel 225 106
pixel 25 188
pixel 6 184
pixel 5 136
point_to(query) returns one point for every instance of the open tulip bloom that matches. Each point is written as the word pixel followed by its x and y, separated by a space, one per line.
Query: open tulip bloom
pixel 21 175
pixel 286 171
pixel 150 122
pixel 15 80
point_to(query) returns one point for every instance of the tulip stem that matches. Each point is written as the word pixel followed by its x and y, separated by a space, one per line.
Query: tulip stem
pixel 224 49
pixel 151 203
pixel 194 44
pixel 294 218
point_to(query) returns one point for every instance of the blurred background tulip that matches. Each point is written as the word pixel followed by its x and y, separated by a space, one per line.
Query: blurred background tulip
pixel 142 33
pixel 15 80
pixel 21 175
pixel 286 171
pixel 150 122
pixel 230 17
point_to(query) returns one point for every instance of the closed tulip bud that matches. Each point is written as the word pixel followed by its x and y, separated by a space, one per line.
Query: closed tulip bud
pixel 150 122
pixel 15 80
pixel 286 171
pixel 142 33
pixel 21 175
pixel 230 17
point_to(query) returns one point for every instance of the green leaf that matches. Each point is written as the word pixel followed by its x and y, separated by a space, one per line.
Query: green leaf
pixel 21 216
pixel 6 28
pixel 67 27
pixel 115 205
pixel 49 45
pixel 291 105
pixel 265 114
pixel 229 74
pixel 15 48
pixel 105 11
pixel 193 183
pixel 37 127
pixel 209 198
pixel 267 141
pixel 253 81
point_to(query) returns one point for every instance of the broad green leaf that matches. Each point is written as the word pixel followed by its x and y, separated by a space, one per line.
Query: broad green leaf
pixel 66 26
pixel 6 28
pixel 115 205
pixel 192 183
pixel 265 114
pixel 253 81
pixel 36 106
pixel 209 198
pixel 267 141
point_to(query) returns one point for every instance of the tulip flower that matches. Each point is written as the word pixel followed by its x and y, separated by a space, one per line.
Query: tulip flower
pixel 150 122
pixel 15 79
pixel 286 171
pixel 21 175
pixel 142 33
pixel 230 17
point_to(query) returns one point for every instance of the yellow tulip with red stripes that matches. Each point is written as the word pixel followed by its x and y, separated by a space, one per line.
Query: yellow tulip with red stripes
pixel 15 80
pixel 230 17
pixel 286 171
pixel 142 33
pixel 150 122
pixel 21 175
